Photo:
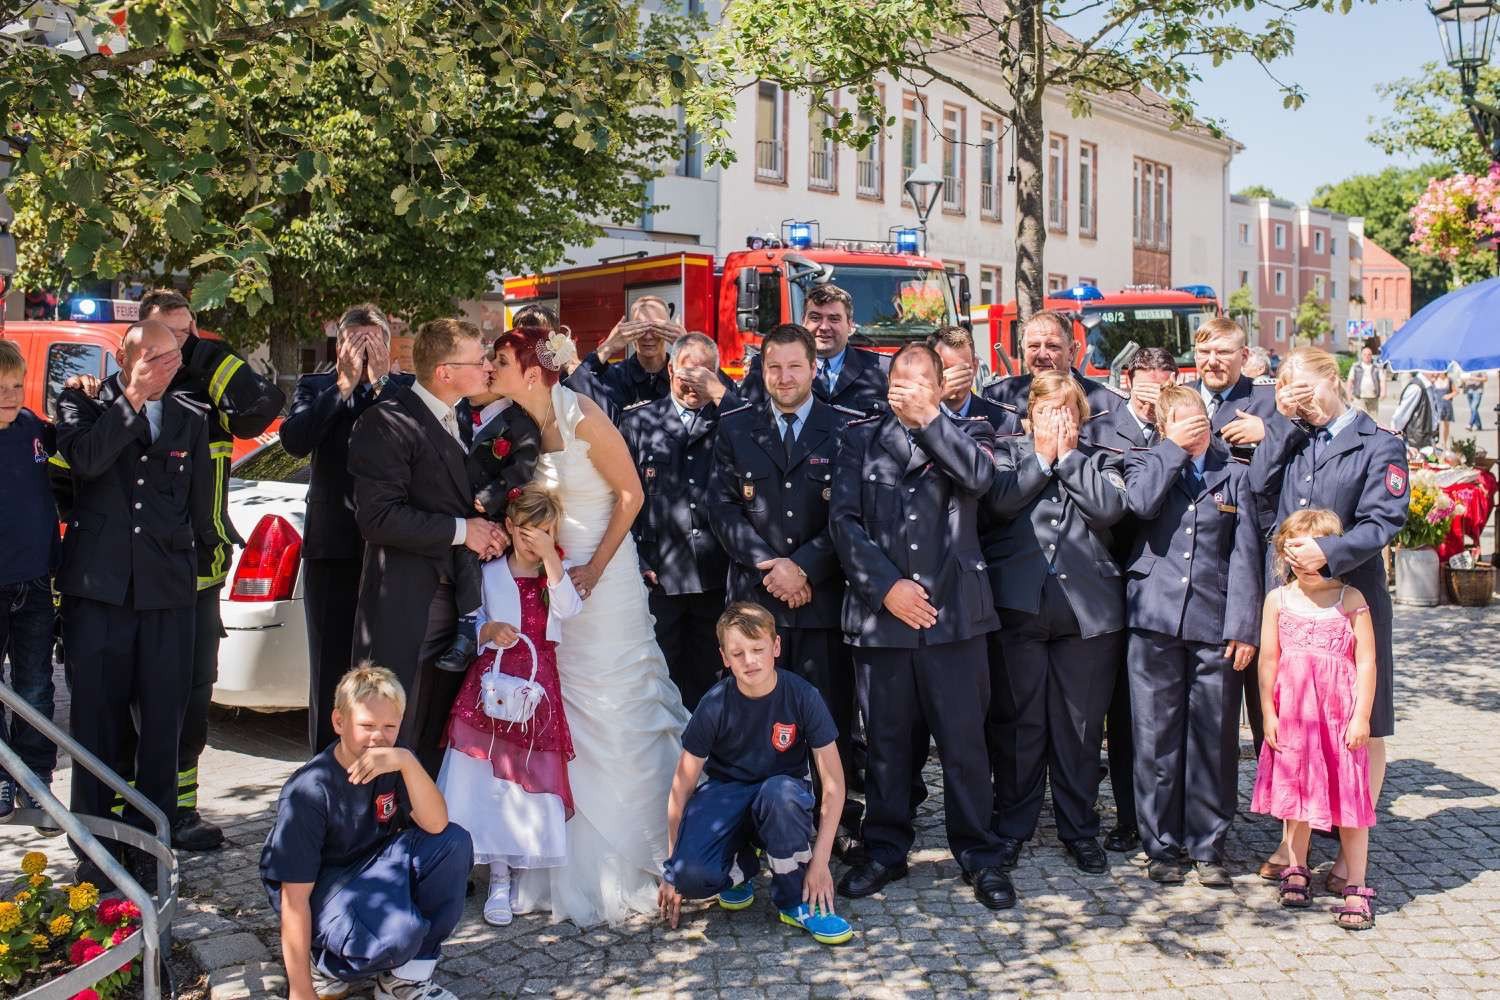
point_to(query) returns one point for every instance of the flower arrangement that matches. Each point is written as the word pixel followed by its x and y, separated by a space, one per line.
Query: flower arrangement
pixel 43 924
pixel 1455 214
pixel 1429 514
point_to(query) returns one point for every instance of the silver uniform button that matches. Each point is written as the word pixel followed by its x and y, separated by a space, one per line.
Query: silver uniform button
pixel 911 517
pixel 1184 579
pixel 1187 555
pixel 1189 530
pixel 143 458
pixel 1302 502
pixel 136 529
pixel 1062 576
pixel 914 546
pixel 790 514
pixel 692 506
pixel 140 482
pixel 137 505
pixel 872 477
pixel 690 481
pixel 916 576
pixel 789 541
pixel 1054 522
pixel 1192 506
pixel 1050 547
pixel 786 486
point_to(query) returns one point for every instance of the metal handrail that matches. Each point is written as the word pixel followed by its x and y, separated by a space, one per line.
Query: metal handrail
pixel 154 938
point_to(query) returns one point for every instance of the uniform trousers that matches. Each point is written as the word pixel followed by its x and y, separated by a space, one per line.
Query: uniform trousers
pixel 722 824
pixel 26 623
pixel 129 670
pixel 1119 727
pixel 1250 681
pixel 1187 735
pixel 946 688
pixel 1052 691
pixel 330 596
pixel 685 631
pixel 430 691
pixel 820 657
pixel 394 911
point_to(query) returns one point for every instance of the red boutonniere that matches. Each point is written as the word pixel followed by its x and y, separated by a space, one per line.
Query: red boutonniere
pixel 500 448
pixel 515 491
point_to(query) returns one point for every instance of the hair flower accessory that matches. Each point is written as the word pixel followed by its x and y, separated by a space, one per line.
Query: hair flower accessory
pixel 558 350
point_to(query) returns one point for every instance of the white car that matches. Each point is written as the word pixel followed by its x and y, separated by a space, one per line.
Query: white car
pixel 263 656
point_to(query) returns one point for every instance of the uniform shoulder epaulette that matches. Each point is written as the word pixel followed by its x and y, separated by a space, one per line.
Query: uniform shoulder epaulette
pixel 994 380
pixel 1139 447
pixel 977 417
pixel 1112 451
pixel 867 420
pixel 738 409
pixel 1269 380
pixel 1097 414
pixel 1389 430
pixel 1240 459
pixel 851 411
pixel 1116 390
pixel 1012 407
pixel 637 406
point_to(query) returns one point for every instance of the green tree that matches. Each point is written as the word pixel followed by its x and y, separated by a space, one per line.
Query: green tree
pixel 1385 200
pixel 1241 308
pixel 1311 323
pixel 1428 117
pixel 1256 191
pixel 306 153
pixel 1147 52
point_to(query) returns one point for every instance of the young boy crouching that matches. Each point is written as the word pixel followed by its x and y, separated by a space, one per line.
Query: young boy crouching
pixel 752 733
pixel 362 865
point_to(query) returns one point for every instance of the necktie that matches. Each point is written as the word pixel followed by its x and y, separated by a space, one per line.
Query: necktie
pixel 1214 404
pixel 688 416
pixel 1193 479
pixel 1320 441
pixel 450 424
pixel 787 437
pixel 477 416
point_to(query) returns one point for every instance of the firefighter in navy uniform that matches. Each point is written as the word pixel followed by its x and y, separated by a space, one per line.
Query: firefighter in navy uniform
pixel 846 376
pixel 240 403
pixel 1239 407
pixel 1047 345
pixel 143 508
pixel 773 478
pixel 672 441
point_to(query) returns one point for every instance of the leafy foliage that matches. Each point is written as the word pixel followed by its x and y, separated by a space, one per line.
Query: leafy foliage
pixel 1385 202
pixel 1256 191
pixel 1428 117
pixel 1241 307
pixel 1311 322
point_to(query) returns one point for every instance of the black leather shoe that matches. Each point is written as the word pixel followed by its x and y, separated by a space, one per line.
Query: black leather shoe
pixel 456 660
pixel 191 832
pixel 1164 872
pixel 993 888
pixel 869 878
pixel 1213 874
pixel 1123 840
pixel 849 849
pixel 1088 855
pixel 1010 853
pixel 142 868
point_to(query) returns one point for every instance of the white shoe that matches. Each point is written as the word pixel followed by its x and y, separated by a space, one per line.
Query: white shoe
pixel 498 907
pixel 325 987
pixel 389 987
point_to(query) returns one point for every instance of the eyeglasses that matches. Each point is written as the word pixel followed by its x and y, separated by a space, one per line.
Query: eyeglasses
pixel 465 364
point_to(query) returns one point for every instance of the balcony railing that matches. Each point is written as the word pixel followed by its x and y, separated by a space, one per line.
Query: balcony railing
pixel 770 162
pixel 820 169
pixel 869 178
pixel 953 193
pixel 989 199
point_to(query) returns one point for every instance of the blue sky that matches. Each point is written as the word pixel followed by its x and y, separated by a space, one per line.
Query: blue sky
pixel 1338 61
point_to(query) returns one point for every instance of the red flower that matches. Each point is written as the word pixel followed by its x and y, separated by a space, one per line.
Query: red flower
pixel 500 448
pixel 129 911
pixel 120 934
pixel 515 491
pixel 109 912
pixel 75 953
pixel 92 952
pixel 85 995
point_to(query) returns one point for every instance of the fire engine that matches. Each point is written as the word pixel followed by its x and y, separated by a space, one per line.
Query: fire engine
pixel 899 295
pixel 1109 327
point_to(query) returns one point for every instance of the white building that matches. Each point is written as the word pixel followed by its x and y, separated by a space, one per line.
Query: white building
pixel 1282 251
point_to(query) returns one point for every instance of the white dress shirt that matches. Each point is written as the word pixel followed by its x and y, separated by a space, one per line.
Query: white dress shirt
pixel 797 423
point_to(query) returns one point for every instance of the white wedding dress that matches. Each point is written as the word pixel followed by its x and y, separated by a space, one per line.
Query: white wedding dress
pixel 625 714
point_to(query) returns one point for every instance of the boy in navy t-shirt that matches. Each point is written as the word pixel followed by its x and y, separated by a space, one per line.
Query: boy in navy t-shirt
pixel 362 865
pixel 752 733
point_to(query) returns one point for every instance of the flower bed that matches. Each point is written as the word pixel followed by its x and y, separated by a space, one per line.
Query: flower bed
pixel 48 927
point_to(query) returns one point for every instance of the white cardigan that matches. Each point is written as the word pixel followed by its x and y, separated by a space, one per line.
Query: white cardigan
pixel 502 599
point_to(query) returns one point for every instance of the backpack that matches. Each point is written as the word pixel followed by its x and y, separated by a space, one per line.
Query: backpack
pixel 1421 427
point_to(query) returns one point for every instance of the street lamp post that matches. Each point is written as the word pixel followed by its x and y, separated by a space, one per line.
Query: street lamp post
pixel 924 187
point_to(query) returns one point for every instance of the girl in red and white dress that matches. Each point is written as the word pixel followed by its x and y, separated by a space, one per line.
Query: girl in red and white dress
pixel 507 783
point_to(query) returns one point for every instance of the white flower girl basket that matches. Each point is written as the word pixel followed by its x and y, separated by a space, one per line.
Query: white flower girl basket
pixel 507 698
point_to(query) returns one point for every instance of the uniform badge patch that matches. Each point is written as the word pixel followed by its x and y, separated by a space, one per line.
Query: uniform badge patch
pixel 650 472
pixel 1115 479
pixel 38 452
pixel 1395 480
pixel 747 490
pixel 385 807
pixel 783 735
pixel 1219 497
pixel 827 493
pixel 818 460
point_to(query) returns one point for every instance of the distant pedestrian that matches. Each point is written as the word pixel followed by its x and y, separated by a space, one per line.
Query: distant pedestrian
pixel 1258 364
pixel 1366 383
pixel 1473 386
pixel 1443 390
pixel 1317 688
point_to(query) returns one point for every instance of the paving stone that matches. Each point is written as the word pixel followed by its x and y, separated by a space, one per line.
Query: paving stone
pixel 246 982
pixel 223 951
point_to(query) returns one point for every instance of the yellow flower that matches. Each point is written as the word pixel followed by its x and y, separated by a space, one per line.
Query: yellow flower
pixel 39 941
pixel 4 948
pixel 61 924
pixel 22 896
pixel 82 896
pixel 10 916
pixel 34 863
pixel 37 881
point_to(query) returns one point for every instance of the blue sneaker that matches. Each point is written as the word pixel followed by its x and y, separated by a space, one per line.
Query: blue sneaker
pixel 825 928
pixel 738 897
pixel 7 797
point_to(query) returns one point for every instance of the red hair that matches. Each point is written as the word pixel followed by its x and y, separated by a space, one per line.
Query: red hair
pixel 530 330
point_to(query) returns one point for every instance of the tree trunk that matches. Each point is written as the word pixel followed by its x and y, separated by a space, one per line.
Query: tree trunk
pixel 1031 228
pixel 282 345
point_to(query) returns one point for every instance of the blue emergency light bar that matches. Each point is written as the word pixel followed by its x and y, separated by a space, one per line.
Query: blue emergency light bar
pixel 1078 293
pixel 799 235
pixel 92 310
pixel 906 240
pixel 1199 291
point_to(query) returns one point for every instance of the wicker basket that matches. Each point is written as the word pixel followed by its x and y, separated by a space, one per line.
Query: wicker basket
pixel 1471 588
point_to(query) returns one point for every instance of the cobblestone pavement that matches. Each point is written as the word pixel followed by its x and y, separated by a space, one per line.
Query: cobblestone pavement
pixel 1435 863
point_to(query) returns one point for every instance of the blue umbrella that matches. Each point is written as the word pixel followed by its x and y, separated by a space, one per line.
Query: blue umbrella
pixel 1462 326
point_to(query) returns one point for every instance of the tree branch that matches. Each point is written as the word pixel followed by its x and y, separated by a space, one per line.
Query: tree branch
pixel 253 33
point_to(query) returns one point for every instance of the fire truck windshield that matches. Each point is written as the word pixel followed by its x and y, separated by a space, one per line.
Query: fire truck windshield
pixel 892 304
pixel 1149 326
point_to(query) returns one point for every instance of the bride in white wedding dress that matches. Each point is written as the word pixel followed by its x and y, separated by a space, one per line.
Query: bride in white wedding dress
pixel 624 712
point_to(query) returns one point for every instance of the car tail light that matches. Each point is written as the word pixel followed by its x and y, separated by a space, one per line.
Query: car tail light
pixel 268 566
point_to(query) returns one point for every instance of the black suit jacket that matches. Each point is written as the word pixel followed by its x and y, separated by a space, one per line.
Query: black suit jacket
pixel 767 505
pixel 410 482
pixel 319 426
pixel 141 509
pixel 861 385
pixel 912 513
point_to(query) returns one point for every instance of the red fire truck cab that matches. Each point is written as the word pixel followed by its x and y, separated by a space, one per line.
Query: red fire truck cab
pixel 898 294
pixel 1109 327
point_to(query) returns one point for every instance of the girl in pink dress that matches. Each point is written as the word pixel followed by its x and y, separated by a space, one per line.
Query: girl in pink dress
pixel 1317 685
pixel 507 783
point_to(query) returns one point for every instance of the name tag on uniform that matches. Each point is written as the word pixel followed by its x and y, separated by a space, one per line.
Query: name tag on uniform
pixel 817 460
pixel 1228 508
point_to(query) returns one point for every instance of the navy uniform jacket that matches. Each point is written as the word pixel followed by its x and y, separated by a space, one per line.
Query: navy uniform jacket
pixel 1360 475
pixel 142 510
pixel 240 403
pixel 674 533
pixel 1119 431
pixel 1035 521
pixel 319 426
pixel 766 506
pixel 861 385
pixel 912 512
pixel 1014 390
pixel 1195 569
pixel 1003 417
pixel 1257 396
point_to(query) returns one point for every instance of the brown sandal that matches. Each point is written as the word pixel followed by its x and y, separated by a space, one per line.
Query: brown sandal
pixel 1360 916
pixel 1295 897
pixel 1334 884
pixel 1270 871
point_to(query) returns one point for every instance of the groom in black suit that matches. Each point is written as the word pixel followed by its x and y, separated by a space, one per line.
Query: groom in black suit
pixel 413 503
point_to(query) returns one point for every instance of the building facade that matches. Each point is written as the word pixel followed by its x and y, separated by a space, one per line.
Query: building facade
pixel 1387 292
